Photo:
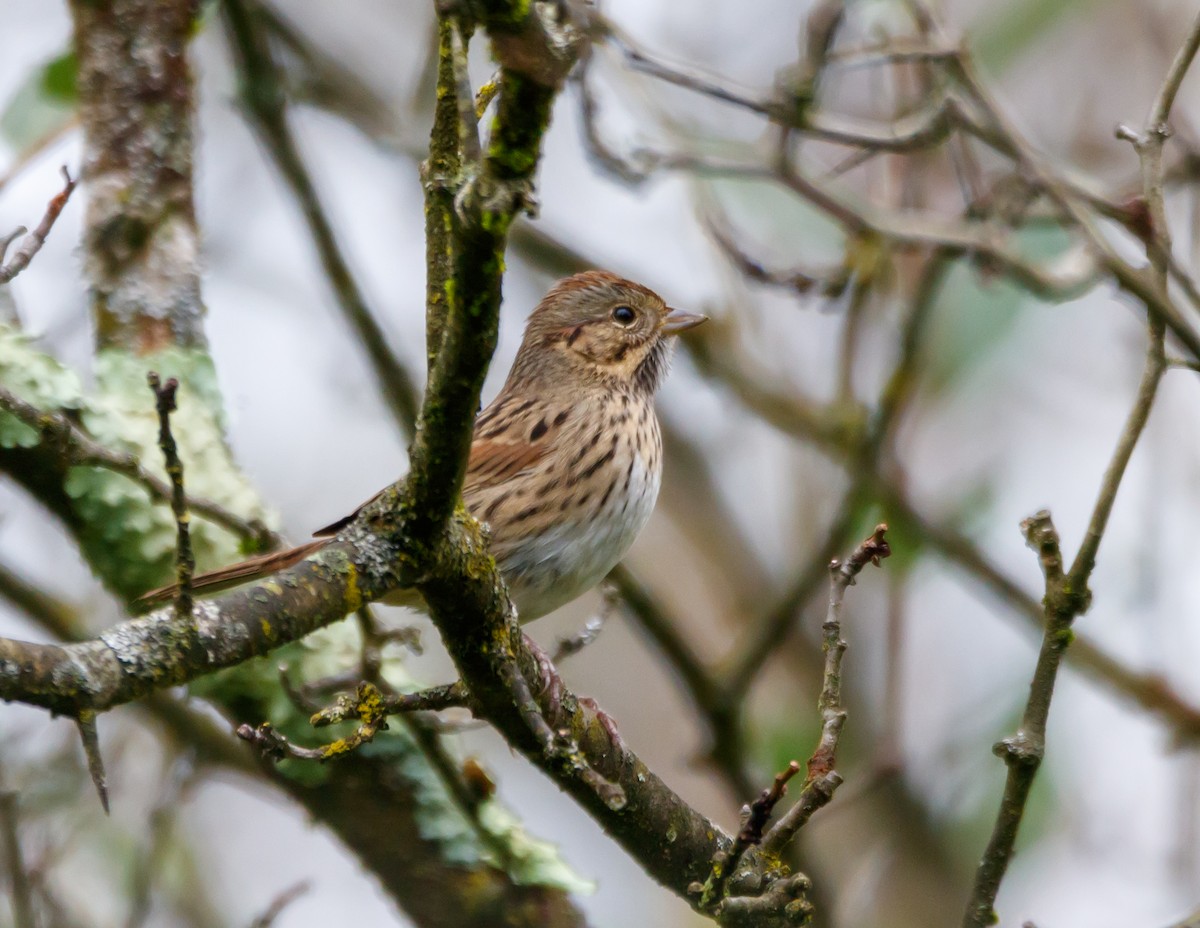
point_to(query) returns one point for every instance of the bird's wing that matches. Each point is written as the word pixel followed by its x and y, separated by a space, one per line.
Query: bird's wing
pixel 508 440
pixel 496 460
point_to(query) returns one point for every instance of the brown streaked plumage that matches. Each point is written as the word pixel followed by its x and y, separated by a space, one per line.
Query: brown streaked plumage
pixel 566 460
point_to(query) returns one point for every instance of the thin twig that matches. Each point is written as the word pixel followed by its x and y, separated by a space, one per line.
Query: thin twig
pixel 468 115
pixel 368 705
pixel 571 645
pixel 185 559
pixel 1023 752
pixel 1067 594
pixel 754 819
pixel 822 777
pixel 18 877
pixel 281 902
pixel 1160 111
pixel 716 223
pixel 795 416
pixel 35 239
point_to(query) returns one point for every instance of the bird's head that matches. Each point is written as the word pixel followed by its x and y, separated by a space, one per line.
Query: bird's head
pixel 600 327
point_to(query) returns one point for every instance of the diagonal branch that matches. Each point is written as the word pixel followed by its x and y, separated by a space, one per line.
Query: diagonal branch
pixel 1067 594
pixel 34 240
pixel 263 100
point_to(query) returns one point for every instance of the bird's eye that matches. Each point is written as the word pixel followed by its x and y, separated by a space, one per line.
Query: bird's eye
pixel 623 315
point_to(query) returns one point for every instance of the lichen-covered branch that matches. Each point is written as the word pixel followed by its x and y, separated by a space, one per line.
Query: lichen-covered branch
pixel 441 177
pixel 411 535
pixel 141 242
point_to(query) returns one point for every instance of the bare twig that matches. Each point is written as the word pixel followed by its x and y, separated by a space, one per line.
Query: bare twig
pixel 797 417
pixel 571 645
pixel 1160 111
pixel 281 902
pixel 85 722
pixel 1023 752
pixel 34 241
pixel 185 559
pixel 18 877
pixel 1067 594
pixel 754 819
pixel 276 746
pixel 822 777
pixel 800 282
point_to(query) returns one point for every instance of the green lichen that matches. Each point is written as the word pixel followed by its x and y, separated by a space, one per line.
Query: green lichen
pixel 510 15
pixel 36 378
pixel 128 538
pixel 521 120
pixel 439 818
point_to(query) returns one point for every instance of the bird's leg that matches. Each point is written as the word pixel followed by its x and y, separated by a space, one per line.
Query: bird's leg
pixel 607 722
pixel 550 688
pixel 549 683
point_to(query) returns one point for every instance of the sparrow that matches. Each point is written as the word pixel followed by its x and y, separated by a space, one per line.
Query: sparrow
pixel 566 461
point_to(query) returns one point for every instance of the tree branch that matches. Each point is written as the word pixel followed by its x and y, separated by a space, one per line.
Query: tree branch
pixel 34 241
pixel 264 103
pixel 141 242
pixel 822 778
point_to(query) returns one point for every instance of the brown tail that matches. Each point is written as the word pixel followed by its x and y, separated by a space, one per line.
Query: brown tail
pixel 233 575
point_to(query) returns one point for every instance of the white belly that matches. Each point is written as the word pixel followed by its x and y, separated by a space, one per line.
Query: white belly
pixel 562 563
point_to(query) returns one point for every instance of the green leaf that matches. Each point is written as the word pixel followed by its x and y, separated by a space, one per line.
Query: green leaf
pixel 58 79
pixel 44 103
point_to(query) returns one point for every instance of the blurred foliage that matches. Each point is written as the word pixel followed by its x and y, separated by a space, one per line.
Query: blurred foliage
pixel 36 378
pixel 330 652
pixel 43 104
pixel 1009 29
pixel 130 539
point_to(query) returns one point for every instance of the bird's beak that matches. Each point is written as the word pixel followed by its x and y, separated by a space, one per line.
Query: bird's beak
pixel 678 321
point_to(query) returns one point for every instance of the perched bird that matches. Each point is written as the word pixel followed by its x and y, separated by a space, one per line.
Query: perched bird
pixel 566 461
